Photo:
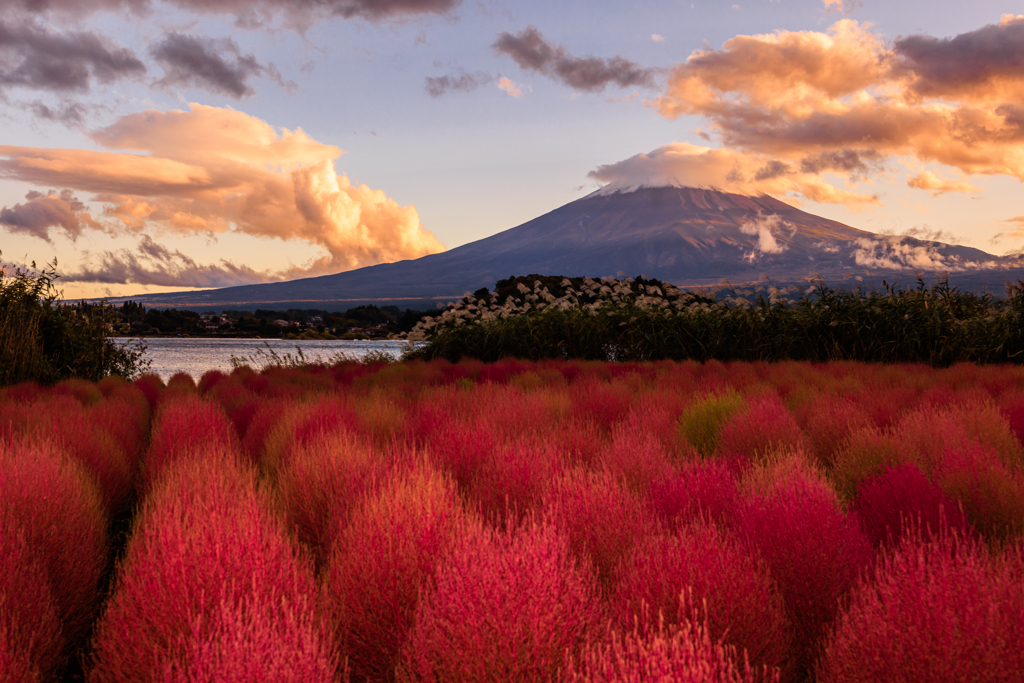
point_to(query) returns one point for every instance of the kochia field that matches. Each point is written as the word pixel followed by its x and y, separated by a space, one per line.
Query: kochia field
pixel 554 521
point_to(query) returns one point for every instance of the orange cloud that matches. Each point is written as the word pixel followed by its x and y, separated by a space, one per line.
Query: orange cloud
pixel 926 180
pixel 801 95
pixel 1018 231
pixel 844 6
pixel 685 165
pixel 513 89
pixel 211 170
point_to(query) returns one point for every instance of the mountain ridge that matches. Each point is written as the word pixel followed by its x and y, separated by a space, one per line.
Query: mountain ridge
pixel 686 236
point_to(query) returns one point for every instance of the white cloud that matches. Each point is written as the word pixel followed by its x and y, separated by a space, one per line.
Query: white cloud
pixel 766 229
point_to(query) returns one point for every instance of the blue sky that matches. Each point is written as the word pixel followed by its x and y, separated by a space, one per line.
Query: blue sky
pixel 410 91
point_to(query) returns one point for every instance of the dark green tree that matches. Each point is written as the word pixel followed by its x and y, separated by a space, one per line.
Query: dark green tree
pixel 44 339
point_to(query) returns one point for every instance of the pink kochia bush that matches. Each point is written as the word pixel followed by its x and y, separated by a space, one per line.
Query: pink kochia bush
pixel 382 559
pixel 322 482
pixel 683 652
pixel 211 586
pixel 743 604
pixel 826 421
pixel 635 455
pixel 992 494
pixel 940 609
pixel 510 481
pixel 762 427
pixel 299 425
pixel 601 517
pixel 53 503
pixel 504 606
pixel 901 497
pixel 31 639
pixel 511 521
pixel 106 436
pixel 698 490
pixel 184 426
pixel 792 517
pixel 78 433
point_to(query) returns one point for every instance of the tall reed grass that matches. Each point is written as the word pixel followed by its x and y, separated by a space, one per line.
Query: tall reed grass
pixel 642 320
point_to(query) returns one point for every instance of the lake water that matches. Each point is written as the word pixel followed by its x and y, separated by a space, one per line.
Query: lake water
pixel 195 356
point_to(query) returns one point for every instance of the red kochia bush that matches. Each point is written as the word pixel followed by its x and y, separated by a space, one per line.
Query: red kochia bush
pixel 322 482
pixel 125 415
pixel 992 494
pixel 30 631
pixel 940 609
pixel 826 421
pixel 743 603
pixel 901 496
pixel 578 441
pixel 302 423
pixel 704 489
pixel 56 504
pixel 210 379
pixel 604 403
pixel 763 426
pixel 268 416
pixel 505 606
pixel 381 561
pixel 181 382
pixel 635 455
pixel 600 516
pixel 210 582
pixel 152 387
pixel 815 552
pixel 1013 410
pixel 78 433
pixel 923 435
pixel 459 446
pixel 510 481
pixel 185 425
pixel 674 653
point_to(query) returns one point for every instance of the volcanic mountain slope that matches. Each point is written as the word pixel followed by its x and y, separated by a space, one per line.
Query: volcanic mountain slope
pixel 680 235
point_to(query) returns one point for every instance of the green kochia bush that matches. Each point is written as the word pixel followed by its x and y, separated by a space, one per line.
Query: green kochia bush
pixel 641 320
pixel 702 421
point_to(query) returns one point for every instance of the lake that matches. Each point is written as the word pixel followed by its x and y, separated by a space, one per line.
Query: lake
pixel 196 355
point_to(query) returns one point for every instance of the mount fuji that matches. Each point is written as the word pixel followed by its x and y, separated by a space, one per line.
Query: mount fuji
pixel 683 235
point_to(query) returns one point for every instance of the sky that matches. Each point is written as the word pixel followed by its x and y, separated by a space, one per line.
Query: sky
pixel 163 145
